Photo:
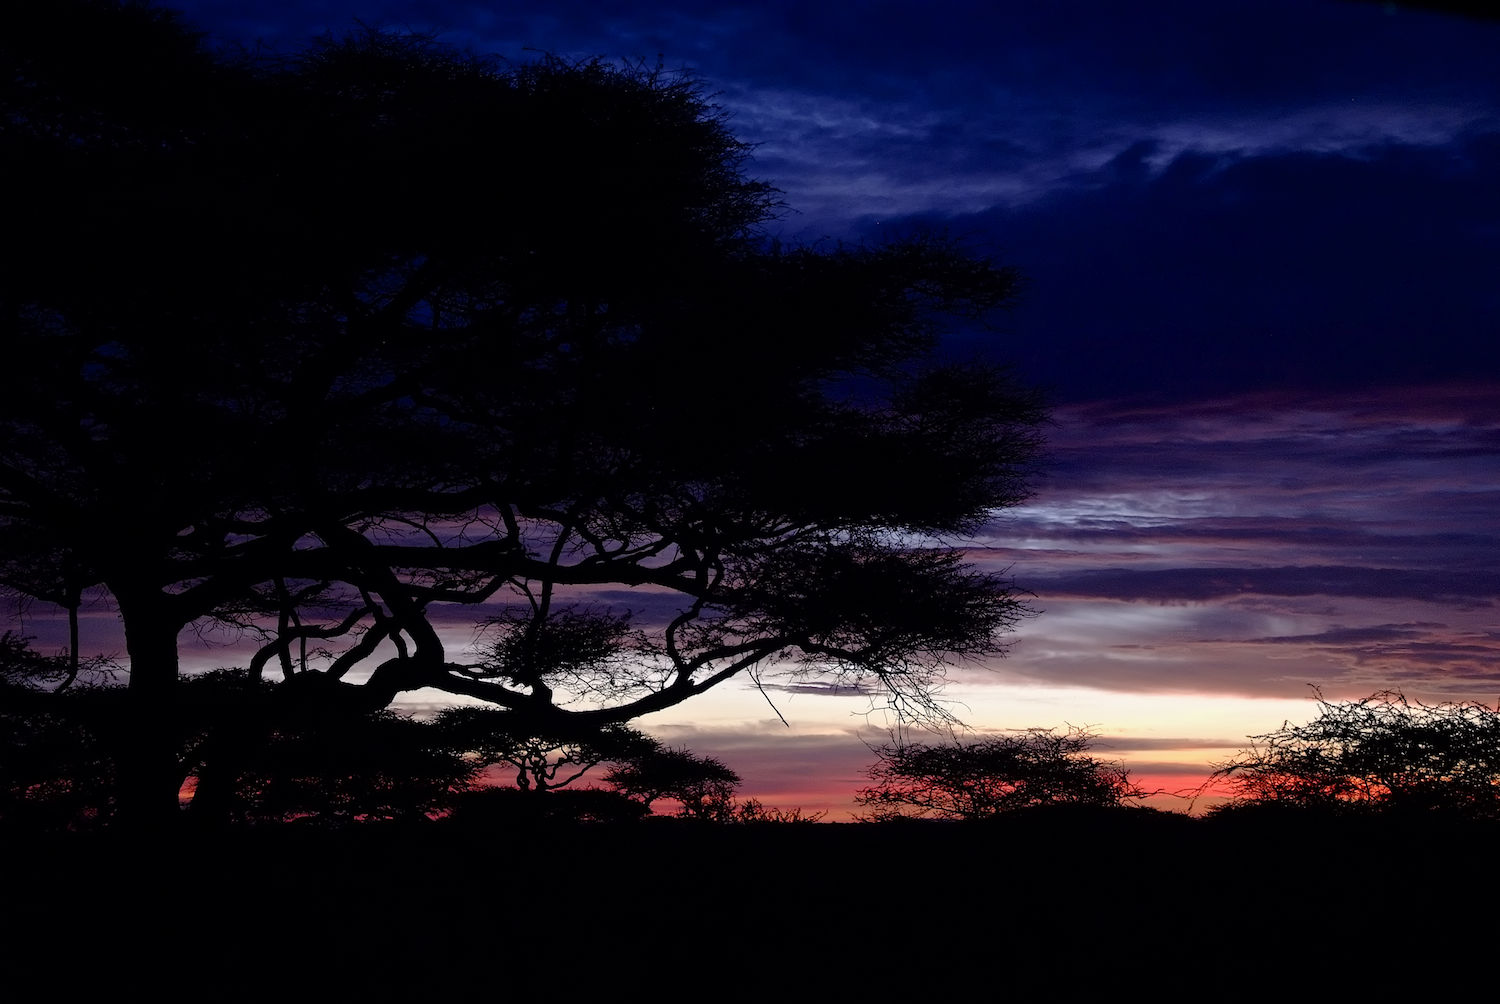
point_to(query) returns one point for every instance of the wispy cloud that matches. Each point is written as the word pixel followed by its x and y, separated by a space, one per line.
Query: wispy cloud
pixel 955 108
pixel 1260 544
pixel 842 160
pixel 1161 585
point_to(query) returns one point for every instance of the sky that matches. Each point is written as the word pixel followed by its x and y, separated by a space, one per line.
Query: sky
pixel 1262 242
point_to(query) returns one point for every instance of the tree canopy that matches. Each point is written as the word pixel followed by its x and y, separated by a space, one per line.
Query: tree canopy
pixel 347 345
pixel 1382 753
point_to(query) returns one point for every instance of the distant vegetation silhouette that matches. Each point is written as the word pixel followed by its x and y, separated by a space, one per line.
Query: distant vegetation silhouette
pixel 1383 754
pixel 987 777
pixel 326 345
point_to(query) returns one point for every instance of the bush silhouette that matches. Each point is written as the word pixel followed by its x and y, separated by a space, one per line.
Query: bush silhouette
pixel 1384 753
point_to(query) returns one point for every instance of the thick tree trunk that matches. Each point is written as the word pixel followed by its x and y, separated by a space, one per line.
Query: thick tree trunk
pixel 149 758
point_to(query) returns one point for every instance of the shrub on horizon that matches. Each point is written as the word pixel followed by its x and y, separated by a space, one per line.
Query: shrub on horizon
pixel 1383 754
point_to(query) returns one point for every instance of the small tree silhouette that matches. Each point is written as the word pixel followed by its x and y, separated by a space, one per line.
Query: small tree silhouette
pixel 544 759
pixel 981 779
pixel 1381 753
pixel 704 786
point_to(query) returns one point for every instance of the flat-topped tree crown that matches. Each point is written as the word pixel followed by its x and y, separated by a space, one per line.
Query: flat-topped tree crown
pixel 382 329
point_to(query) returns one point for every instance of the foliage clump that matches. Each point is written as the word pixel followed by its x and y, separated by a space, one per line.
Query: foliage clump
pixel 978 780
pixel 1383 753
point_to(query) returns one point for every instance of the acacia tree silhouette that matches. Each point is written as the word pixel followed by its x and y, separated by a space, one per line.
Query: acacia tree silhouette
pixel 981 779
pixel 703 786
pixel 325 345
pixel 542 761
pixel 1383 753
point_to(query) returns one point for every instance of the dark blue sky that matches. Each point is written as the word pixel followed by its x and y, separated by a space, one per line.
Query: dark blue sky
pixel 1208 198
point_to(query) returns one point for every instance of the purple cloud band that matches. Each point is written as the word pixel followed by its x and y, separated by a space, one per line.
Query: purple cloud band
pixel 1201 584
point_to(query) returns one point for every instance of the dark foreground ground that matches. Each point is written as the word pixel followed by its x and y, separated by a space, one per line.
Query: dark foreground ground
pixel 757 909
